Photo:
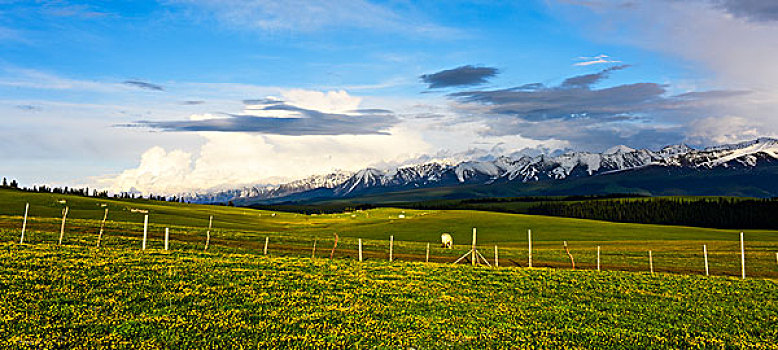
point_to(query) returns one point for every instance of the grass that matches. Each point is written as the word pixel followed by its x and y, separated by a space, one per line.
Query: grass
pixel 239 230
pixel 79 297
pixel 232 296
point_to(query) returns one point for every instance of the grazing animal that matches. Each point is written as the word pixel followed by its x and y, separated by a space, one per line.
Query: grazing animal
pixel 446 240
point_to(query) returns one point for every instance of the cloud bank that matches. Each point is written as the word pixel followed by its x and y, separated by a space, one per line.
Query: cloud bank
pixel 731 44
pixel 302 121
pixel 640 114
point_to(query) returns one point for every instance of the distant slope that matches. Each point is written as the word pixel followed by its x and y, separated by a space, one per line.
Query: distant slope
pixel 419 225
pixel 650 181
pixel 744 169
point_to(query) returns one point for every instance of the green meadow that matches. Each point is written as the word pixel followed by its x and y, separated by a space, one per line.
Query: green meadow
pixel 623 246
pixel 75 297
pixel 234 296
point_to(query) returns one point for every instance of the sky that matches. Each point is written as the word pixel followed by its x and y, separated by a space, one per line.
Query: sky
pixel 173 96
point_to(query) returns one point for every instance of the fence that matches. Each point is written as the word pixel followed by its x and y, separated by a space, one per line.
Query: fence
pixel 714 258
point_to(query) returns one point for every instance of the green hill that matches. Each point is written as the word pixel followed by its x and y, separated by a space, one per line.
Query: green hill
pixel 240 230
pixel 232 295
pixel 80 298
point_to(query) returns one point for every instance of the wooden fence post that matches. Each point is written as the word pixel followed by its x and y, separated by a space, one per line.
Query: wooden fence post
pixel 598 258
pixel 313 251
pixel 651 262
pixel 332 253
pixel 391 248
pixel 208 233
pixel 167 238
pixel 496 257
pixel 62 228
pixel 145 230
pixel 102 226
pixel 705 254
pixel 742 258
pixel 529 242
pixel 24 223
pixel 360 250
pixel 572 261
pixel 264 251
pixel 427 259
pixel 472 251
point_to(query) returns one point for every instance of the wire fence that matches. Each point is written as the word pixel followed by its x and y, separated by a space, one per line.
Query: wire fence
pixel 722 258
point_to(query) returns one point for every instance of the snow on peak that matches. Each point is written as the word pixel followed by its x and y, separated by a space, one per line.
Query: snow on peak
pixel 673 150
pixel 714 156
pixel 466 170
pixel 524 168
pixel 619 149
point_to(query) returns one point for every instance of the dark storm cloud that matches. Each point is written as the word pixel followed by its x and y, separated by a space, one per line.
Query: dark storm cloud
pixel 460 76
pixel 590 134
pixel 639 114
pixel 757 10
pixel 144 85
pixel 575 98
pixel 306 122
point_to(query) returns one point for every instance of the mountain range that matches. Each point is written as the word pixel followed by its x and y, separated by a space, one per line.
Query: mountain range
pixel 746 169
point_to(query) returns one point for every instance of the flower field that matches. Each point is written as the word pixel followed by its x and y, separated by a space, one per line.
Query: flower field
pixel 624 247
pixel 78 297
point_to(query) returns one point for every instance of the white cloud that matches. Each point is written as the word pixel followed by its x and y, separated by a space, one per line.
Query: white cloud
pixel 599 59
pixel 121 159
pixel 313 15
pixel 227 160
pixel 230 159
pixel 156 167
pixel 720 130
pixel 330 102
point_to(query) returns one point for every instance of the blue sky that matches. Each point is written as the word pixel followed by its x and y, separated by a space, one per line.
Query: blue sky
pixel 175 42
pixel 151 95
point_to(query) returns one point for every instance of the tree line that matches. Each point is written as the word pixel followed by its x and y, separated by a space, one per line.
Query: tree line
pixel 84 192
pixel 719 212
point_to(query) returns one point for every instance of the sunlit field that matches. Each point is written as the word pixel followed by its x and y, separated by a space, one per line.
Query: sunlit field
pixel 233 295
pixel 79 297
pixel 239 230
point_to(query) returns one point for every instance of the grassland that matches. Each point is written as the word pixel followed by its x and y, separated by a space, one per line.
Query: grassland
pixel 233 296
pixel 78 297
pixel 239 230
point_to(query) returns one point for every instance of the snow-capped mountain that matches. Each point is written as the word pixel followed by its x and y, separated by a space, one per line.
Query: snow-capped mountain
pixel 524 169
pixel 264 192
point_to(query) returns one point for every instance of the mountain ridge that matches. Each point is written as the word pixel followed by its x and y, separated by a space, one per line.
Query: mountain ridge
pixel 522 169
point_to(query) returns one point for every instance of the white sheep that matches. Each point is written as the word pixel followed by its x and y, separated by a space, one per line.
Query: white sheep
pixel 446 240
